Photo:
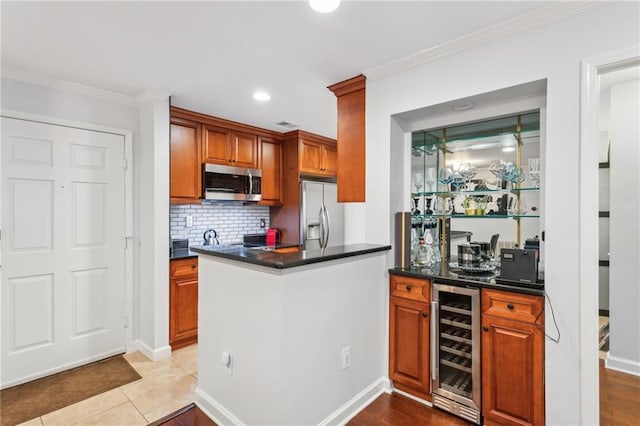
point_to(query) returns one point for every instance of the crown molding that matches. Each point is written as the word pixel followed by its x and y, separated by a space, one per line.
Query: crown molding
pixel 535 19
pixel 152 95
pixel 22 75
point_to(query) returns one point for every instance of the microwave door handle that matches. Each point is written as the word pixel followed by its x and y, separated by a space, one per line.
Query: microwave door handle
pixel 250 183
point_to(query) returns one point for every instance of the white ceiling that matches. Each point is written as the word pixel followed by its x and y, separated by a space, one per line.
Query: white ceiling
pixel 211 56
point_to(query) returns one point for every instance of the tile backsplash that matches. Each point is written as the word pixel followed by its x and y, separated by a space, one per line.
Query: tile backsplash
pixel 230 220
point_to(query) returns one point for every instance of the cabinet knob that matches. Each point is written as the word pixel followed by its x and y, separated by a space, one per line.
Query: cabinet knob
pixel 408 288
pixel 485 328
pixel 424 315
pixel 510 306
pixel 193 266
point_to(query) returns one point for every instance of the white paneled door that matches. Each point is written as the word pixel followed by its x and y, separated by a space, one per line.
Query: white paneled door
pixel 63 248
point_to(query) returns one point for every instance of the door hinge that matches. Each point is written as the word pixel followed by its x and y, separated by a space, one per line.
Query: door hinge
pixel 126 321
pixel 125 164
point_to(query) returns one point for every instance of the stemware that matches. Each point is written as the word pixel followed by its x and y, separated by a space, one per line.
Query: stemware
pixel 429 179
pixel 467 171
pixel 534 171
pixel 418 181
pixel 445 177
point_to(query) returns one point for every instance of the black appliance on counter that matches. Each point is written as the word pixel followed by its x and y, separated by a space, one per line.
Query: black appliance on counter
pixel 519 266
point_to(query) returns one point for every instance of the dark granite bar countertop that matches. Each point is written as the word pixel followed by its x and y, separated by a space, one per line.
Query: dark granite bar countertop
pixel 443 274
pixel 286 256
pixel 182 254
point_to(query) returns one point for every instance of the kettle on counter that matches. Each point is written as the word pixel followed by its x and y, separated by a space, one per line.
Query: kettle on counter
pixel 210 237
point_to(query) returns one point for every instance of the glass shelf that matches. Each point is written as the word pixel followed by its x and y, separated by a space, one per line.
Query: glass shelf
pixel 473 192
pixel 468 216
pixel 480 135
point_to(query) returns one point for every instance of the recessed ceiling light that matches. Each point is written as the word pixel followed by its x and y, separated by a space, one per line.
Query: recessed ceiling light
pixel 463 106
pixel 508 149
pixel 261 96
pixel 324 6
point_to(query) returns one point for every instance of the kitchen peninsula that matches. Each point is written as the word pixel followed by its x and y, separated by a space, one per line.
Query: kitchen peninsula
pixel 289 337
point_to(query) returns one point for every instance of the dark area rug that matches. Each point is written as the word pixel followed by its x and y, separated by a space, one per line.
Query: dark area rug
pixel 34 399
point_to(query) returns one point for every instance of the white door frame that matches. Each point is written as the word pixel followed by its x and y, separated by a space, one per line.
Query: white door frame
pixel 128 202
pixel 588 221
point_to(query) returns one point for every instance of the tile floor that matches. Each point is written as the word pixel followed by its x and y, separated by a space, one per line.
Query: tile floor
pixel 166 386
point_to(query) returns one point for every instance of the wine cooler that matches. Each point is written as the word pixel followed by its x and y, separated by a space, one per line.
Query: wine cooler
pixel 455 350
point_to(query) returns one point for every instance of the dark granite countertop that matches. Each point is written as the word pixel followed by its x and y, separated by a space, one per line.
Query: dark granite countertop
pixel 444 274
pixel 284 256
pixel 182 254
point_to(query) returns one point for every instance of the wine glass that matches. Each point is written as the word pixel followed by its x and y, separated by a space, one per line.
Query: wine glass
pixel 467 171
pixel 418 181
pixel 445 177
pixel 429 179
pixel 534 171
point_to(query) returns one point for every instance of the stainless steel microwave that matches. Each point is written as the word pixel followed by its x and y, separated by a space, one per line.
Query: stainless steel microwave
pixel 228 183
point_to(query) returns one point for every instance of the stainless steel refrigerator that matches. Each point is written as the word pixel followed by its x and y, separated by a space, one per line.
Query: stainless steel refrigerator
pixel 322 217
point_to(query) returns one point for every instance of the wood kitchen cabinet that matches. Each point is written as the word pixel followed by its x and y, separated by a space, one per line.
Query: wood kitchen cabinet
pixel 185 161
pixel 409 333
pixel 228 147
pixel 183 302
pixel 271 166
pixel 512 358
pixel 351 164
pixel 318 158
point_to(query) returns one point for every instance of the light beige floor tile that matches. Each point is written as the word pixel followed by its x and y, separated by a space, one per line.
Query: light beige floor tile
pixel 172 374
pixel 123 414
pixel 145 367
pixel 187 358
pixel 162 390
pixel 169 408
pixel 84 409
pixel 34 422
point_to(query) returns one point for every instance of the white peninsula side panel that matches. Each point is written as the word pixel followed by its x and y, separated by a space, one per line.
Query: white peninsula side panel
pixel 285 331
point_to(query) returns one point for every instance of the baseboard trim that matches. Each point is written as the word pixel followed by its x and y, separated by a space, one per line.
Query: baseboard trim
pixel 215 410
pixel 358 403
pixel 622 365
pixel 153 354
pixel 415 398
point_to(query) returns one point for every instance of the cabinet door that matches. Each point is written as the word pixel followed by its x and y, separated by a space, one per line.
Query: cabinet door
pixel 271 165
pixel 244 150
pixel 183 328
pixel 329 160
pixel 512 371
pixel 216 145
pixel 185 180
pixel 409 346
pixel 310 157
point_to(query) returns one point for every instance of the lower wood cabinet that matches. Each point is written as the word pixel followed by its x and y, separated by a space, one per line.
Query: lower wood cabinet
pixel 512 358
pixel 183 302
pixel 409 328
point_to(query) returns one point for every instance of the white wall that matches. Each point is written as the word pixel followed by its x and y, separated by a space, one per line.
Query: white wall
pixel 285 330
pixel 553 53
pixel 152 162
pixel 624 292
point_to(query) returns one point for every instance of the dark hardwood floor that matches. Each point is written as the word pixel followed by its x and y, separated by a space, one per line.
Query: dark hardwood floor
pixel 619 406
pixel 398 410
pixel 619 398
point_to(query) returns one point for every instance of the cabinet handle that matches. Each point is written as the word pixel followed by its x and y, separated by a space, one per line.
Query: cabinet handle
pixel 485 328
pixel 408 288
pixel 424 315
pixel 510 306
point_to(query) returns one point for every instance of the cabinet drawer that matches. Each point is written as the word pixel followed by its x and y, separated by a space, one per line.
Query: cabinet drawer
pixel 182 267
pixel 410 288
pixel 519 307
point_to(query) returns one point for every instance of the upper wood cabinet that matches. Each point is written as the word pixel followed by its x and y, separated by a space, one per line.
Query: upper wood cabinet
pixel 351 139
pixel 512 358
pixel 271 166
pixel 185 161
pixel 230 148
pixel 318 158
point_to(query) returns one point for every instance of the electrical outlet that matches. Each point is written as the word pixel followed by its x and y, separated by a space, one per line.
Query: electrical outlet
pixel 189 221
pixel 263 223
pixel 346 357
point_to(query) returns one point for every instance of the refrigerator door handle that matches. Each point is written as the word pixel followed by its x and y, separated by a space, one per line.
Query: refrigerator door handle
pixel 321 216
pixel 327 226
pixel 434 339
